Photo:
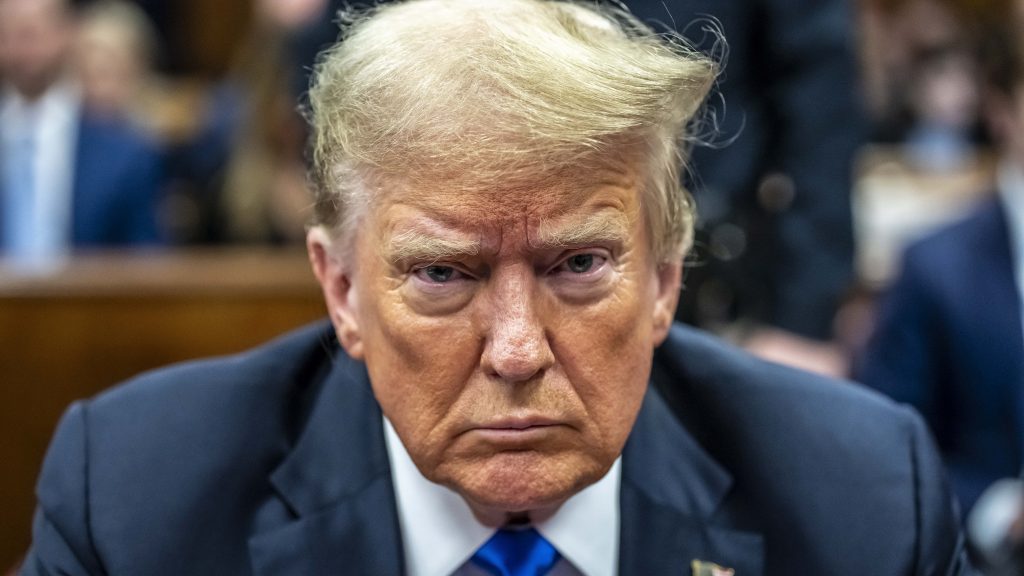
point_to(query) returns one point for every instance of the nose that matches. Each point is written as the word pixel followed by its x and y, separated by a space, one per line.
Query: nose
pixel 517 347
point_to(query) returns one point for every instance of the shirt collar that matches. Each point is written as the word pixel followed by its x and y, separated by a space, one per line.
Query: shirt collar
pixel 440 532
pixel 60 104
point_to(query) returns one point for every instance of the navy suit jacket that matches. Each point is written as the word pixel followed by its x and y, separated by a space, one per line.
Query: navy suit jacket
pixel 949 341
pixel 116 186
pixel 273 462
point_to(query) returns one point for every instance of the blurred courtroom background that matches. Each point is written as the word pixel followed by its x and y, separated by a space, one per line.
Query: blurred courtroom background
pixel 173 199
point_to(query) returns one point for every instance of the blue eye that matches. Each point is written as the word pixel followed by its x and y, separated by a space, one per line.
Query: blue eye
pixel 580 263
pixel 439 274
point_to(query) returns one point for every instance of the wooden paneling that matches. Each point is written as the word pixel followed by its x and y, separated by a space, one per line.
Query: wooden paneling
pixel 105 318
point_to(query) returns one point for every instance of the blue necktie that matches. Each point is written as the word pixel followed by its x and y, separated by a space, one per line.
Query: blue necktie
pixel 516 553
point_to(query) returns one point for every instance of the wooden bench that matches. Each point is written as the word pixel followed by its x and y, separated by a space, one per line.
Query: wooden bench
pixel 105 317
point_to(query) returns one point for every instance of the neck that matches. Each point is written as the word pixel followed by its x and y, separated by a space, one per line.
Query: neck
pixel 35 87
pixel 501 518
pixel 33 93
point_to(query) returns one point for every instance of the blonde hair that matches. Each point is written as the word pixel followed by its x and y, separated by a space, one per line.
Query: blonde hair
pixel 480 94
pixel 123 25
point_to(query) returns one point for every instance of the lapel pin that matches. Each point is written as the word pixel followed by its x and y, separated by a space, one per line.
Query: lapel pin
pixel 701 568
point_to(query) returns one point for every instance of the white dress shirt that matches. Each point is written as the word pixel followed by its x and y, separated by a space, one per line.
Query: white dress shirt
pixel 51 123
pixel 440 533
pixel 1011 194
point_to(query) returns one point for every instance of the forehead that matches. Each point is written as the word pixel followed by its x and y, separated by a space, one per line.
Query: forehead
pixel 612 184
pixel 33 10
pixel 30 21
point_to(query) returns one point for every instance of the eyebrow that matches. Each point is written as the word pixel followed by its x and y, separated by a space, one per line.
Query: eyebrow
pixel 603 227
pixel 414 245
pixel 600 228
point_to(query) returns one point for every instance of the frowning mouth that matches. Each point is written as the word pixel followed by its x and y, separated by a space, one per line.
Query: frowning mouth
pixel 516 431
pixel 518 423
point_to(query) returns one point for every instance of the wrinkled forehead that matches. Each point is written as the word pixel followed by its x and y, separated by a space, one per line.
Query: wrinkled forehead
pixel 609 179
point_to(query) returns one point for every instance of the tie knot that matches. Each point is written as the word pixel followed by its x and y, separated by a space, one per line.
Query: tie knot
pixel 516 553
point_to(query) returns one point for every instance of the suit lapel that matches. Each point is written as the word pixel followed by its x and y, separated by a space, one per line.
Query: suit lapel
pixel 670 491
pixel 336 483
pixel 342 517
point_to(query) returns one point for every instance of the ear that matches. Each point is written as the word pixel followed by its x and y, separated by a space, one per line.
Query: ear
pixel 339 291
pixel 668 278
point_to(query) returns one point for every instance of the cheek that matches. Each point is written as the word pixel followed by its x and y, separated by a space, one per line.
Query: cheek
pixel 605 351
pixel 620 323
pixel 418 366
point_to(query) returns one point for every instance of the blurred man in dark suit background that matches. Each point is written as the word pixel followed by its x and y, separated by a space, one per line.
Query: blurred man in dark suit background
pixel 66 179
pixel 499 236
pixel 949 339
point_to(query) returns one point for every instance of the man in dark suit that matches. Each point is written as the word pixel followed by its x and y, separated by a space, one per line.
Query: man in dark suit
pixel 499 237
pixel 274 462
pixel 67 179
pixel 949 338
pixel 948 342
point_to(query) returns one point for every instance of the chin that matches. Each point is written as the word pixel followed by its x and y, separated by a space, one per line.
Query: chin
pixel 525 481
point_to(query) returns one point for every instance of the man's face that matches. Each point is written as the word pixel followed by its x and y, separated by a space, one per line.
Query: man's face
pixel 508 334
pixel 109 68
pixel 34 39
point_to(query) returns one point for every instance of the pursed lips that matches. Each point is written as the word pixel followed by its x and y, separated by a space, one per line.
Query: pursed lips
pixel 518 423
pixel 516 429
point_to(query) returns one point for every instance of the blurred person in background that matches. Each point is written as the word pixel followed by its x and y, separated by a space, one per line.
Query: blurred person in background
pixel 929 160
pixel 68 178
pixel 949 333
pixel 775 243
pixel 894 36
pixel 265 196
pixel 113 58
pixel 922 80
pixel 944 98
pixel 248 157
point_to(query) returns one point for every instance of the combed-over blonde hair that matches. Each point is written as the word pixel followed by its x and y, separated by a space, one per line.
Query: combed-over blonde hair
pixel 485 94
